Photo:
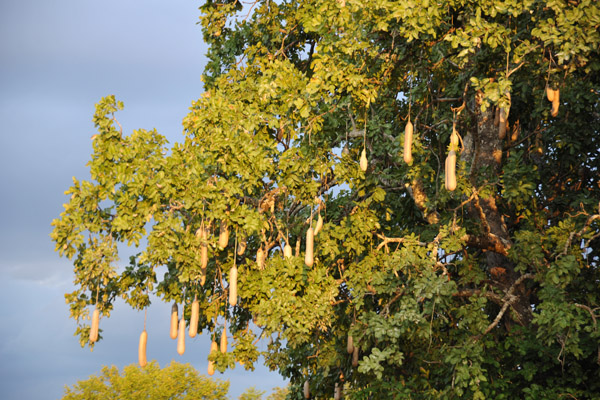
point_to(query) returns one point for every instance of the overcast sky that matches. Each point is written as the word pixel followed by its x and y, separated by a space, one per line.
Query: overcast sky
pixel 57 59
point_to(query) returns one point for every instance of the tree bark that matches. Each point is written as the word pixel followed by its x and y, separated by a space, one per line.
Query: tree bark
pixel 484 151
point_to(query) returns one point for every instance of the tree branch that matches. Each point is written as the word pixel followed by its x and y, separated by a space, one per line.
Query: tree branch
pixel 508 300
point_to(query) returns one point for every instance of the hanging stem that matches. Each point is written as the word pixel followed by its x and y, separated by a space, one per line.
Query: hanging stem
pixel 97 293
pixel 146 310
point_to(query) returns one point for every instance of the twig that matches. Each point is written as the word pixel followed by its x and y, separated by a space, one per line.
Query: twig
pixel 387 240
pixel 581 232
pixel 508 299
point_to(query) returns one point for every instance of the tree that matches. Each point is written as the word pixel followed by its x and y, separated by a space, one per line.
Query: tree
pixel 175 381
pixel 484 290
pixel 279 393
pixel 251 394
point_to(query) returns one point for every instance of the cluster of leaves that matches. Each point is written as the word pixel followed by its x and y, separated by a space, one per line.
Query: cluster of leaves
pixel 175 381
pixel 489 291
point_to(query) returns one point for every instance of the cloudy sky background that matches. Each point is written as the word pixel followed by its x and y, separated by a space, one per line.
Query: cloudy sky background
pixel 58 58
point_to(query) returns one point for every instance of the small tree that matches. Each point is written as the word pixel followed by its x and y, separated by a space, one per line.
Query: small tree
pixel 176 381
pixel 252 394
pixel 279 393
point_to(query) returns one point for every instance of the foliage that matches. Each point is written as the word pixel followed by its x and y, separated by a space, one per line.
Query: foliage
pixel 279 393
pixel 175 381
pixel 251 394
pixel 488 291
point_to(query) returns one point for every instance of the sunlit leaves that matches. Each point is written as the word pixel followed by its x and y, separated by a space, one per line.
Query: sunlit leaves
pixel 175 381
pixel 483 292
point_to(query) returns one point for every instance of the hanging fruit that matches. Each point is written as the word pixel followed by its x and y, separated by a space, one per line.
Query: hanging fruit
pixel 233 278
pixel 503 118
pixel 223 235
pixel 174 320
pixel 241 246
pixel 260 258
pixel 181 337
pixel 95 325
pixel 355 357
pixel 319 225
pixel 549 93
pixel 203 234
pixel 345 150
pixel 408 139
pixel 223 346
pixel 142 348
pixel 337 392
pixel 555 103
pixel 350 345
pixel 363 161
pixel 195 315
pixel 211 365
pixel 287 251
pixel 497 117
pixel 454 139
pixel 451 171
pixel 502 124
pixel 306 389
pixel 310 243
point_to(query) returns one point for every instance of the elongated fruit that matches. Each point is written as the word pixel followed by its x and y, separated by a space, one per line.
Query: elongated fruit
pixel 350 345
pixel 223 346
pixel 241 247
pixel 549 93
pixel 555 103
pixel 223 235
pixel 337 392
pixel 502 124
pixel 319 225
pixel 355 357
pixel 408 139
pixel 345 150
pixel 310 245
pixel 174 320
pixel 203 254
pixel 142 349
pixel 451 171
pixel 515 133
pixel 95 325
pixel 363 161
pixel 211 365
pixel 497 117
pixel 306 389
pixel 287 251
pixel 260 258
pixel 181 337
pixel 194 318
pixel 233 281
pixel 454 139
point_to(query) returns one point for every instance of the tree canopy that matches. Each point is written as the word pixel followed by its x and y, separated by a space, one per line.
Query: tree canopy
pixel 175 381
pixel 462 265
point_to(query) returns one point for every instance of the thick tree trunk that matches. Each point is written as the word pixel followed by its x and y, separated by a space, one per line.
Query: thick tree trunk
pixel 484 151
